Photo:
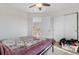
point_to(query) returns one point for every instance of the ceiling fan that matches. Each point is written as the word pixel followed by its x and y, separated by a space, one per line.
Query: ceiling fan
pixel 40 5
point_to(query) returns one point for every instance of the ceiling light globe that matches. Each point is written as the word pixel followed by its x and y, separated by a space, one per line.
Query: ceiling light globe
pixel 39 5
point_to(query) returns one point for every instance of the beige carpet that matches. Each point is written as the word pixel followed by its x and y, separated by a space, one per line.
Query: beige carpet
pixel 58 51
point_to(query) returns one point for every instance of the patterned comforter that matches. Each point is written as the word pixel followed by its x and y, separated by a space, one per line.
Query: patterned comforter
pixel 31 50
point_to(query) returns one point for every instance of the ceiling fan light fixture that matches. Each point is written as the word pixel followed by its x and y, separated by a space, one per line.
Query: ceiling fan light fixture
pixel 38 5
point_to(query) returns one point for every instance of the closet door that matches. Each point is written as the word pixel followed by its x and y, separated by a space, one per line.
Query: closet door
pixel 58 28
pixel 71 26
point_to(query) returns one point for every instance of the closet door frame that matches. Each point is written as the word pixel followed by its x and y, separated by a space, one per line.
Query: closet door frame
pixel 77 27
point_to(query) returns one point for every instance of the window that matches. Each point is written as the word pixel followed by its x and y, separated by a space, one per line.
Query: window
pixel 36 28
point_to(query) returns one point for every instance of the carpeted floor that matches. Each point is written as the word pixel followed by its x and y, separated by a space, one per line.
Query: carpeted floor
pixel 58 51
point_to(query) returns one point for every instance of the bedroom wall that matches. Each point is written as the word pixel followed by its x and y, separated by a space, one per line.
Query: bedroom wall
pixel 47 27
pixel 13 22
pixel 59 28
pixel 29 25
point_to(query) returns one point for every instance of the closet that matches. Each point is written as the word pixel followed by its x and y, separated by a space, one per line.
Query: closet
pixel 66 26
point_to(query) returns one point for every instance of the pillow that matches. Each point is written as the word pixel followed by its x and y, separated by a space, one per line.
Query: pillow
pixel 19 43
pixel 27 44
pixel 9 43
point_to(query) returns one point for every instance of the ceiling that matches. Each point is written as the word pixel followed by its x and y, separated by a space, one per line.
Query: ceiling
pixel 53 8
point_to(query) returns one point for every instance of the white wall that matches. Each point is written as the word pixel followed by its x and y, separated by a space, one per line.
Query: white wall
pixel 47 27
pixel 13 22
pixel 59 28
pixel 29 25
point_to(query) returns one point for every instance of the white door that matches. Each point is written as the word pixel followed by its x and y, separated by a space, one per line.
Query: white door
pixel 65 27
pixel 71 26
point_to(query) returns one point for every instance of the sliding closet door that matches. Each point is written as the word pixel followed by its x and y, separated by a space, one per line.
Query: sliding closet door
pixel 58 28
pixel 71 26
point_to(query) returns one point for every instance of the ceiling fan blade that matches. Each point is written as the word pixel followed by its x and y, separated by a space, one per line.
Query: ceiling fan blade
pixel 45 4
pixel 32 6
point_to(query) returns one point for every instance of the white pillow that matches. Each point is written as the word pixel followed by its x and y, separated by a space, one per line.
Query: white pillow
pixel 28 44
pixel 9 43
pixel 19 43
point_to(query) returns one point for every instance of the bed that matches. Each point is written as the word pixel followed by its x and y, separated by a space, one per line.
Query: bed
pixel 23 46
